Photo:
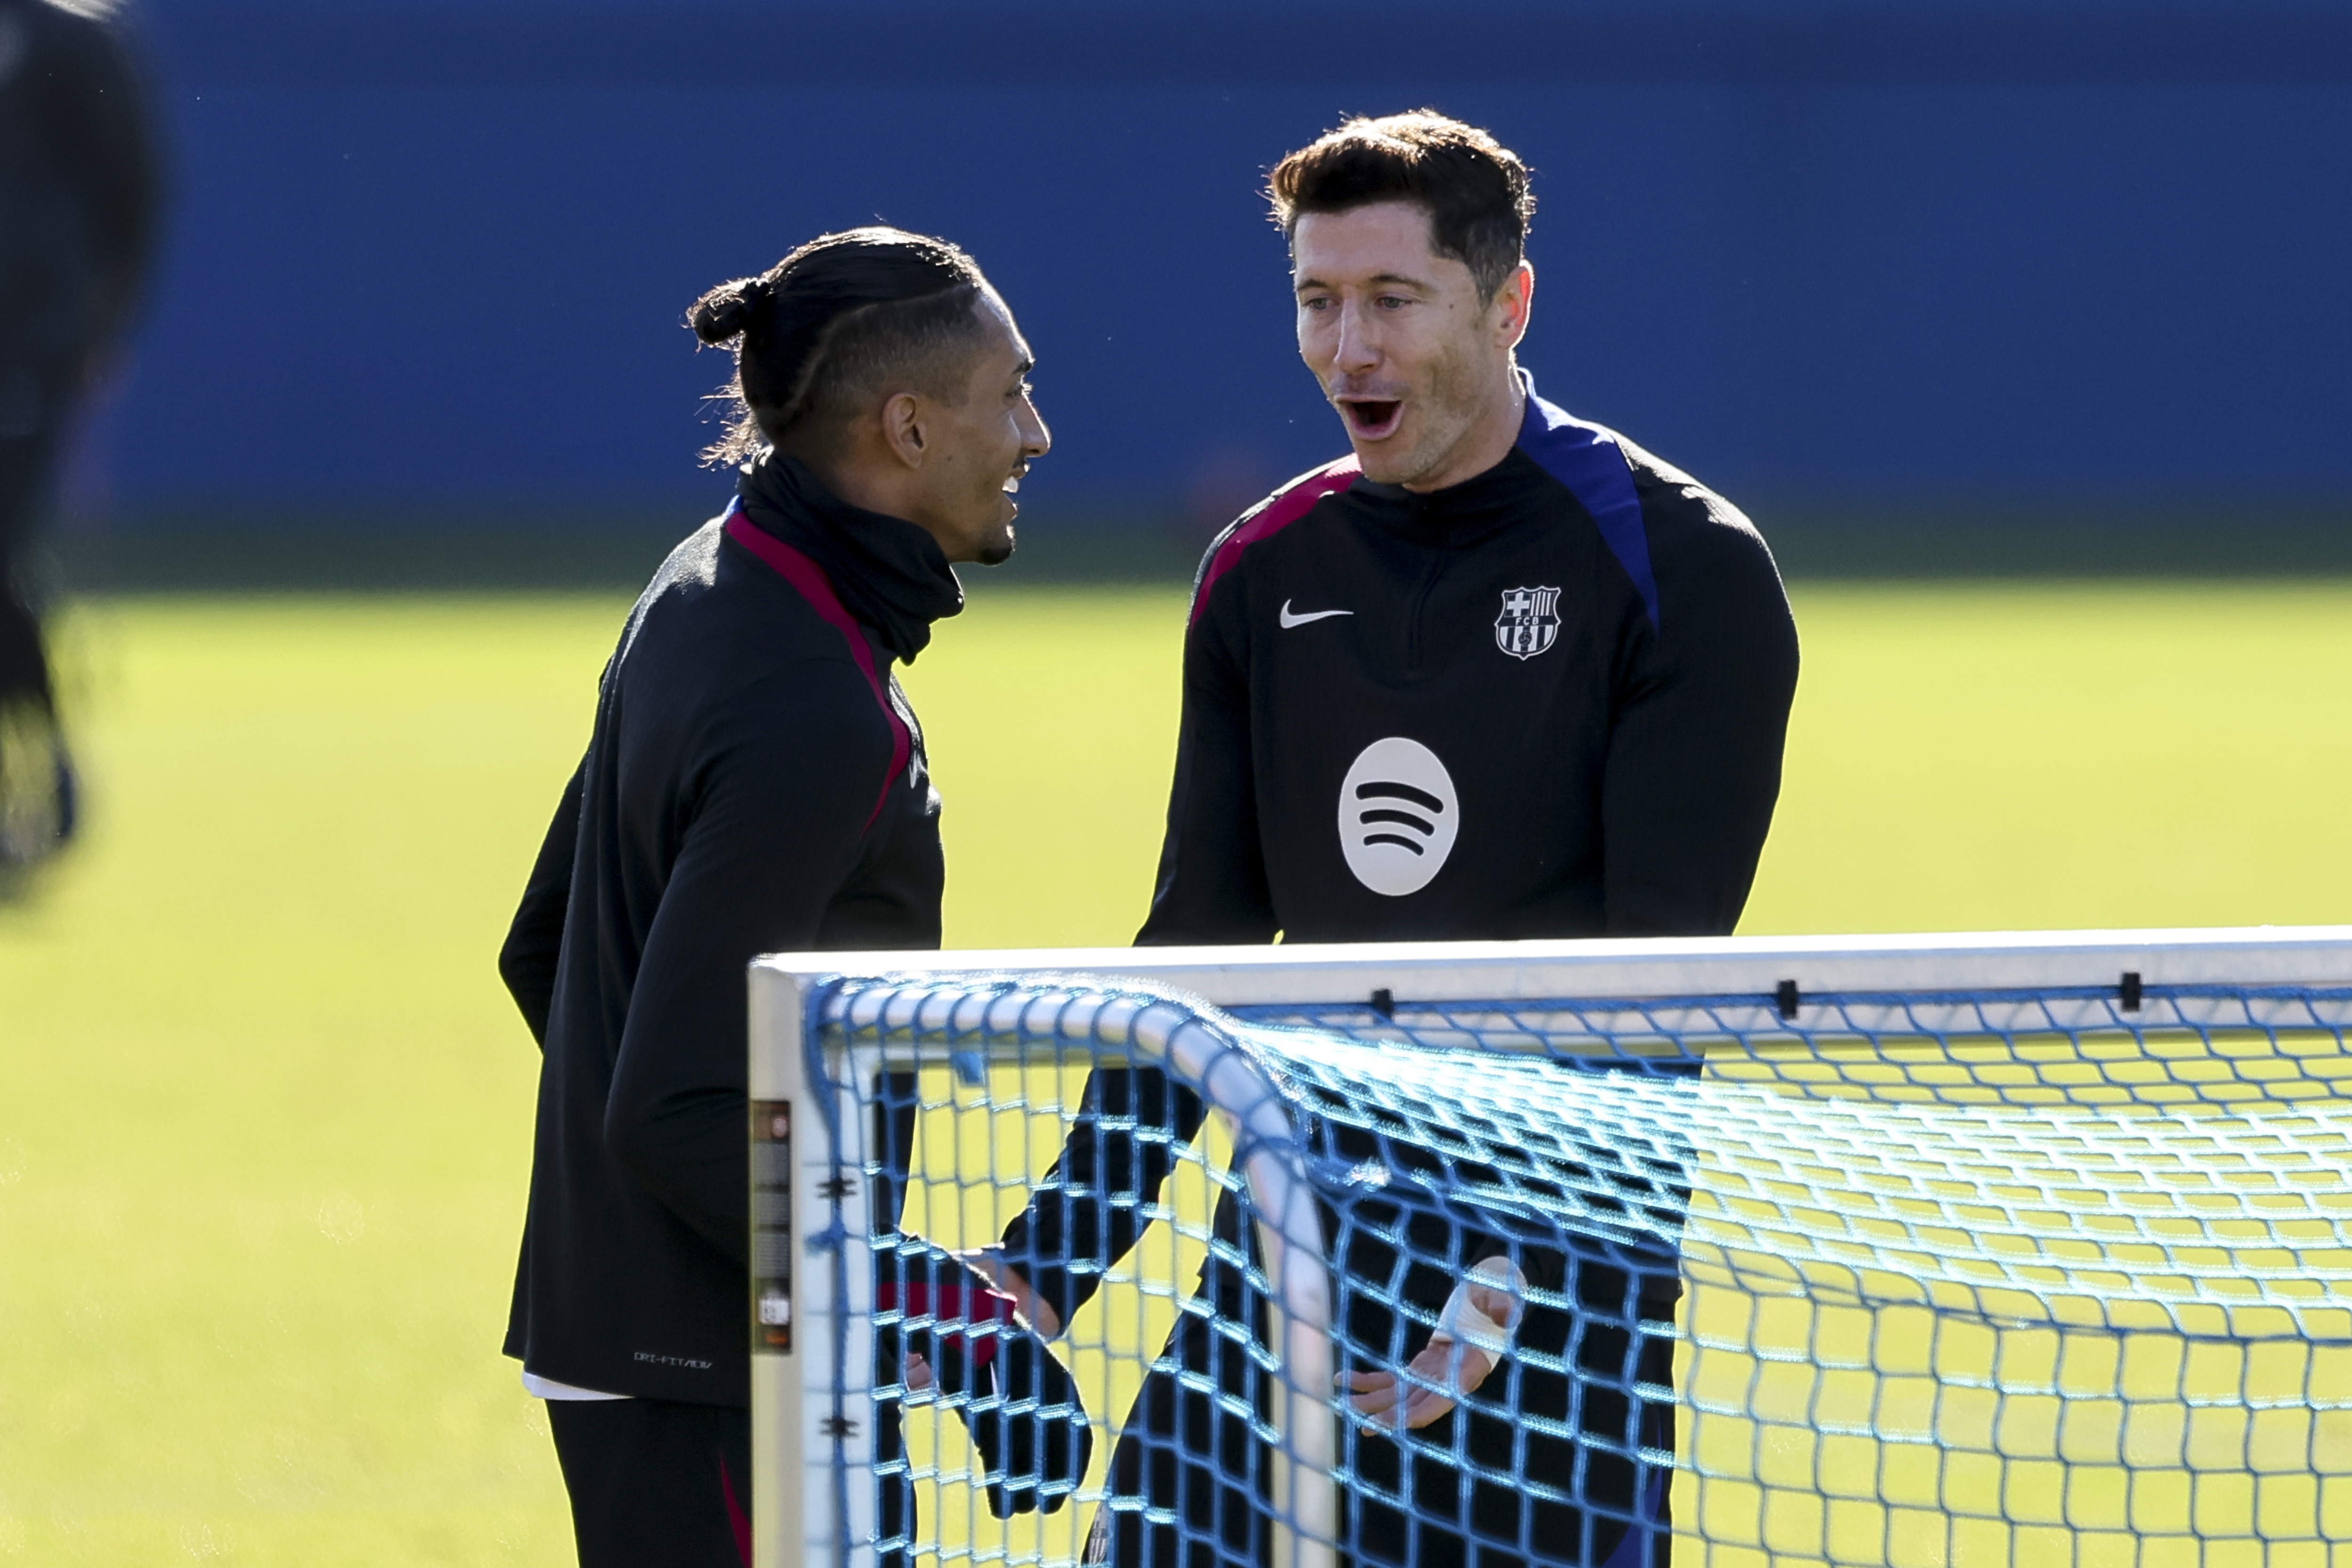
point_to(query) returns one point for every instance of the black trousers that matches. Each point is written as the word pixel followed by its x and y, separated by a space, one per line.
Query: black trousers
pixel 656 1483
pixel 1190 1484
pixel 30 437
pixel 40 817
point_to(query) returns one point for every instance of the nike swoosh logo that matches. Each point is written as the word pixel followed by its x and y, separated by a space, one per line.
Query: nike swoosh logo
pixel 1289 620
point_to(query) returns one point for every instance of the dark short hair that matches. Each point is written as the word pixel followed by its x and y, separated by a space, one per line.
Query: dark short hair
pixel 1474 188
pixel 834 325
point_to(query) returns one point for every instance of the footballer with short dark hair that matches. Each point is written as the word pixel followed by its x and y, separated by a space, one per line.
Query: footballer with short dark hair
pixel 1499 673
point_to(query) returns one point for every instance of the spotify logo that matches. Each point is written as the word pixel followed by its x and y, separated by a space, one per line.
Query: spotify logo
pixel 1398 817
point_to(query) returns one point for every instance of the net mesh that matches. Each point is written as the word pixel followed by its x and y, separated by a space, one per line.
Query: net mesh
pixel 1905 1279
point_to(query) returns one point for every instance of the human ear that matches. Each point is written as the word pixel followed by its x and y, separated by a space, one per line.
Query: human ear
pixel 1514 301
pixel 903 428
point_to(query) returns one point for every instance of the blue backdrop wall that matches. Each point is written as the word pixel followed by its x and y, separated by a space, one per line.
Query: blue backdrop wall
pixel 433 259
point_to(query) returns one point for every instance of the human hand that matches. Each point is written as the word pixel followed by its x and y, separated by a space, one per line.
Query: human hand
pixel 1469 1342
pixel 1437 1379
pixel 989 1263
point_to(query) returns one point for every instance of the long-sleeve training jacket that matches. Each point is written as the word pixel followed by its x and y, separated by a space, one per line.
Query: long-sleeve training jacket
pixel 1547 702
pixel 755 783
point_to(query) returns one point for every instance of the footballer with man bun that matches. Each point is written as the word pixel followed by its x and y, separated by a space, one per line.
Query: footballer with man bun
pixel 756 782
pixel 1498 674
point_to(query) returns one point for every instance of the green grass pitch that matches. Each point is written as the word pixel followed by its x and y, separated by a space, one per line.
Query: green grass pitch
pixel 265 1112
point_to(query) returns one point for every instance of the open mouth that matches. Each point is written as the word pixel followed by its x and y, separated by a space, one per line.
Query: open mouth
pixel 1371 418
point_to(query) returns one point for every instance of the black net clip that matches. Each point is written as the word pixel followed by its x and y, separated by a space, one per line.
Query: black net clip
pixel 1384 1003
pixel 2128 992
pixel 1788 999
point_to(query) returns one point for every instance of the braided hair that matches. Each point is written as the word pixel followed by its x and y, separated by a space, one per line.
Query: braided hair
pixel 834 325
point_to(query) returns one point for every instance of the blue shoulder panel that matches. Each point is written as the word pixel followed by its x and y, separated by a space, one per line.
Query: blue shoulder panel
pixel 1588 460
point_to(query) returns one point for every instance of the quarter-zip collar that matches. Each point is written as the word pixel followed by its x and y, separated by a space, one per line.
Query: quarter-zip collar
pixel 1459 514
pixel 889 574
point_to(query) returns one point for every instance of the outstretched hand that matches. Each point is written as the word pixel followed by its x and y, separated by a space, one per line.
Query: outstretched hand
pixel 1436 1380
pixel 1445 1371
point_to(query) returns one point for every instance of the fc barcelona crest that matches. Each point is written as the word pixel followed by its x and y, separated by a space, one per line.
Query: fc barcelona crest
pixel 1530 622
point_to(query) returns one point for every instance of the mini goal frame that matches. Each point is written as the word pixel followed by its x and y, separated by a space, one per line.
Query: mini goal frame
pixel 811 1318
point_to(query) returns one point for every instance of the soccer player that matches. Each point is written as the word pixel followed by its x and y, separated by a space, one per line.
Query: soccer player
pixel 755 781
pixel 79 193
pixel 1499 673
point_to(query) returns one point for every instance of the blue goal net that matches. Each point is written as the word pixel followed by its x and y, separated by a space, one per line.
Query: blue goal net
pixel 1911 1278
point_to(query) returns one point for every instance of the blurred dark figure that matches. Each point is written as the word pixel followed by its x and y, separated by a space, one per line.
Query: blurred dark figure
pixel 77 200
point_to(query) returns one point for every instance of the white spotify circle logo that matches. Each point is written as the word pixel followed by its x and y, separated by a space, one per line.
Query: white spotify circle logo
pixel 1398 817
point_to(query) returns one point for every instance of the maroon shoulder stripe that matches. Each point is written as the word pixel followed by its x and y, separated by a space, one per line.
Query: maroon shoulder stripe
pixel 810 581
pixel 1278 512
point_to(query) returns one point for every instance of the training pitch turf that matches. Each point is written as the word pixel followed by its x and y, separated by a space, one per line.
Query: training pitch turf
pixel 265 1113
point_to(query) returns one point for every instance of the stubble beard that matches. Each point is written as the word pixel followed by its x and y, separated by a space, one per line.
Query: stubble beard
pixel 995 546
pixel 1446 407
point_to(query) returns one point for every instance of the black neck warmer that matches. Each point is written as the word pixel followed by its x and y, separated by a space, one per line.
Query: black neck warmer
pixel 889 574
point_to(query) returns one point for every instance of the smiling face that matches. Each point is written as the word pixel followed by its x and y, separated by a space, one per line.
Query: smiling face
pixel 1418 365
pixel 974 451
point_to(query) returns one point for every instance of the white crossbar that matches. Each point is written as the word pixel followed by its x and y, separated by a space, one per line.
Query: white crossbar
pixel 1710 967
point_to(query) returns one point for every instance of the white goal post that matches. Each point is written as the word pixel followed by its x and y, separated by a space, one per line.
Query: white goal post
pixel 812 1301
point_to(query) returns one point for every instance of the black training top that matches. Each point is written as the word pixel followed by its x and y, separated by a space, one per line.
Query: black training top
pixel 755 783
pixel 1547 702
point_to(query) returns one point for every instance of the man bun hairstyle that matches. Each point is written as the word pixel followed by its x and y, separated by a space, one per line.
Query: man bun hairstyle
pixel 1475 189
pixel 844 319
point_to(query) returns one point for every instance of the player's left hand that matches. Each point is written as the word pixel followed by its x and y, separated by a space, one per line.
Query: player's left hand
pixel 1436 1380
